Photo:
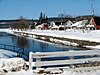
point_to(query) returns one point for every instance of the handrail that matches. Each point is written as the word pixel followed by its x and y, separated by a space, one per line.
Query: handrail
pixel 19 50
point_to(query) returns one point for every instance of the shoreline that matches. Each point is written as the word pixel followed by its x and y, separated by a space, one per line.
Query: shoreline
pixel 58 39
pixel 67 41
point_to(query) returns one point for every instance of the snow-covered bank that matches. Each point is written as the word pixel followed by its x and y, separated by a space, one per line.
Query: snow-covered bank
pixel 9 61
pixel 89 39
pixel 4 30
pixel 91 36
pixel 72 34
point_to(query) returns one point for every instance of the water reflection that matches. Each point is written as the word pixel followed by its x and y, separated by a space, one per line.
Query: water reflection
pixel 3 34
pixel 38 46
pixel 20 41
pixel 43 46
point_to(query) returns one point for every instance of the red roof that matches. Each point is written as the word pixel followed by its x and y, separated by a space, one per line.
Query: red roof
pixel 92 22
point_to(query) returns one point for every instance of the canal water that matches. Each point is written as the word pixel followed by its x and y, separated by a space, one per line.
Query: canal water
pixel 31 44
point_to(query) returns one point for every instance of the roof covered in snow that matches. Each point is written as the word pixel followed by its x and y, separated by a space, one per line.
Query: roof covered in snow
pixel 79 23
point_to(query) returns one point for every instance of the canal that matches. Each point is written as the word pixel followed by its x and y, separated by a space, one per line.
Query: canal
pixel 31 44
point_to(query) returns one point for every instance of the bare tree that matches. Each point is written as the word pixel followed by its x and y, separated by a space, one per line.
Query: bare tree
pixel 21 24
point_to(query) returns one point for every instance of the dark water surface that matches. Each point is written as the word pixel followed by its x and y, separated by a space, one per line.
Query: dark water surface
pixel 30 44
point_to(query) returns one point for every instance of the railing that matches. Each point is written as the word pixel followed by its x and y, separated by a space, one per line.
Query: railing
pixel 71 54
pixel 19 50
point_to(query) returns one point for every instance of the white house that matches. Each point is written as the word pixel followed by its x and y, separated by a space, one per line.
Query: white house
pixel 55 25
pixel 79 24
pixel 68 24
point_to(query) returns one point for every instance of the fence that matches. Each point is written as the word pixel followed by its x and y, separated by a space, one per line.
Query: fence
pixel 19 50
pixel 71 53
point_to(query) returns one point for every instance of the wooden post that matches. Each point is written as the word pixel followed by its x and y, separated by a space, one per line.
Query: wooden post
pixel 38 60
pixel 30 60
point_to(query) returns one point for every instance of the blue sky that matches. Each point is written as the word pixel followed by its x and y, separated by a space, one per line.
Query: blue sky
pixel 13 9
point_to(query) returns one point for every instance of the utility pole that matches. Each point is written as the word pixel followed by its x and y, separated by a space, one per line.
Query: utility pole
pixel 92 8
pixel 64 13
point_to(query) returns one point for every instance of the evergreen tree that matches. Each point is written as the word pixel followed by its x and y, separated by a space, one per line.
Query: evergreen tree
pixel 44 16
pixel 46 19
pixel 40 18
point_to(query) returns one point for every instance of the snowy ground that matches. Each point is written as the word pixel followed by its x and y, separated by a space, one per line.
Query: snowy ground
pixel 73 34
pixel 7 54
pixel 66 72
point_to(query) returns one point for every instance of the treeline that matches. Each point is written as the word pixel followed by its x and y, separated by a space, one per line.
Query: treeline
pixel 20 24
pixel 24 24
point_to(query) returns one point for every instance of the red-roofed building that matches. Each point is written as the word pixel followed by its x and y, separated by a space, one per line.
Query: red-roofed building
pixel 96 22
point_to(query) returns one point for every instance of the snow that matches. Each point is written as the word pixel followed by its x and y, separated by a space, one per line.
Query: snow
pixel 66 72
pixel 23 72
pixel 72 34
pixel 79 23
pixel 90 26
pixel 7 54
pixel 9 61
pixel 4 30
